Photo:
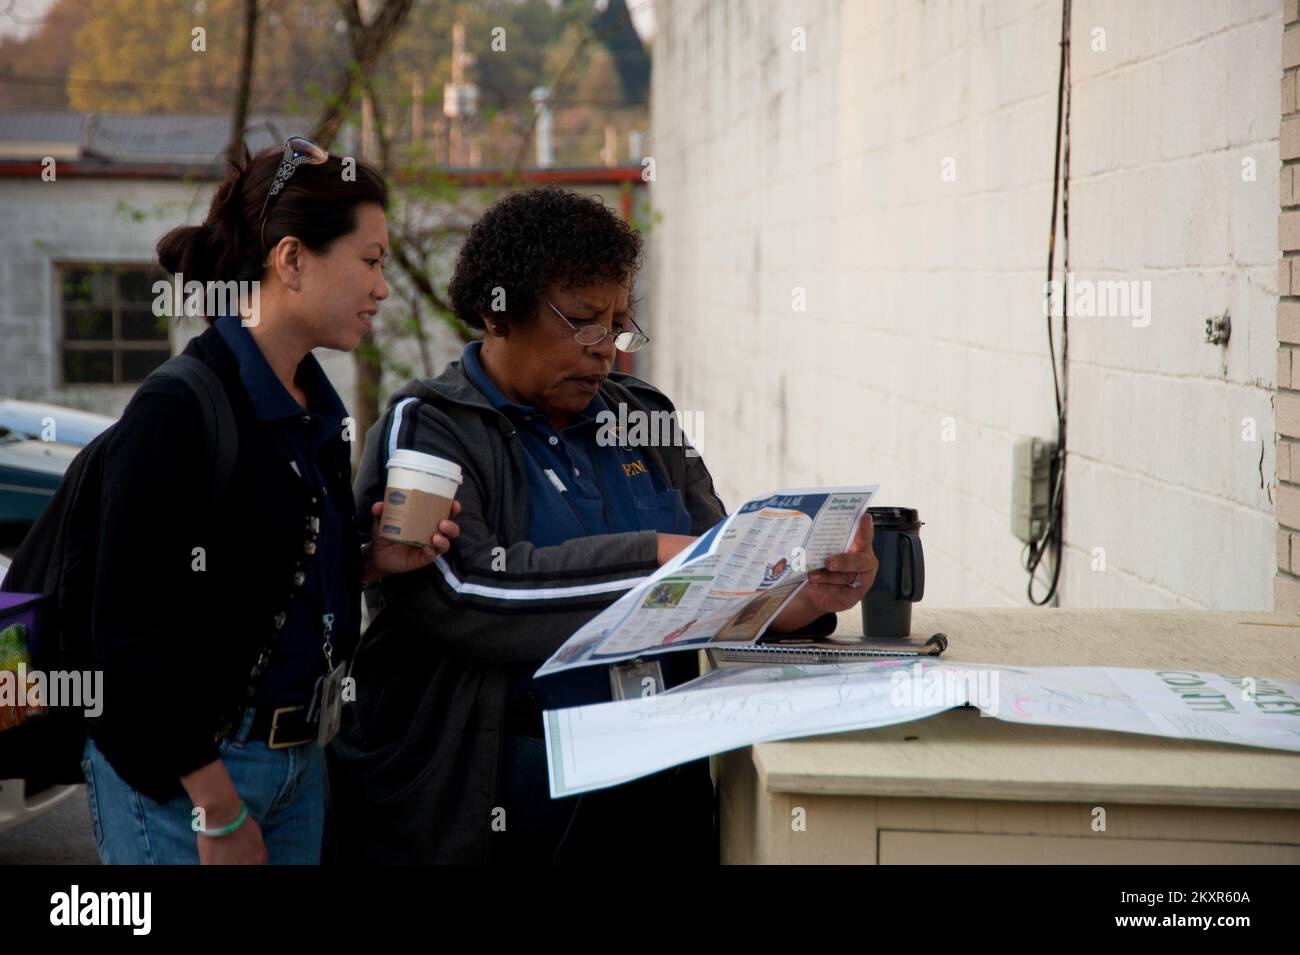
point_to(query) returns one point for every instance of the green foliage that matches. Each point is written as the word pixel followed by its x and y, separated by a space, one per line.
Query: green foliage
pixel 129 212
pixel 138 55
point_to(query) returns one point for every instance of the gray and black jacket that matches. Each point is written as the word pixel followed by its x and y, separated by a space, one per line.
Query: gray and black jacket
pixel 413 777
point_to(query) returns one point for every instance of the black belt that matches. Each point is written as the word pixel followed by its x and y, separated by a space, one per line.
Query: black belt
pixel 282 726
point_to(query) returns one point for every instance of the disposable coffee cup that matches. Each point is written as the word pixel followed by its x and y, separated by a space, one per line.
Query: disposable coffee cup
pixel 420 490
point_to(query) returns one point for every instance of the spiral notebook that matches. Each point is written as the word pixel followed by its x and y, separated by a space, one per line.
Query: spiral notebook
pixel 778 651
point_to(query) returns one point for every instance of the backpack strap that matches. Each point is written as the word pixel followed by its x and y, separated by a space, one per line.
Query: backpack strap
pixel 214 403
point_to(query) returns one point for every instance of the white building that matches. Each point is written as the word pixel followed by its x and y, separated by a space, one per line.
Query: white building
pixel 849 273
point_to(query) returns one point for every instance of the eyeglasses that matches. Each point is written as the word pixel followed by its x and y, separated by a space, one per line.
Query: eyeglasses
pixel 296 152
pixel 593 333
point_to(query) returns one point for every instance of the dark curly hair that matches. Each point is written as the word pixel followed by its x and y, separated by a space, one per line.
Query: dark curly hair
pixel 531 239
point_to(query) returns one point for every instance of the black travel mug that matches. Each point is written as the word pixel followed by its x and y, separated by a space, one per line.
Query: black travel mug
pixel 900 579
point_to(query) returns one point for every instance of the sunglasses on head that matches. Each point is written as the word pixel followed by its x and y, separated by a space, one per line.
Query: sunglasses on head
pixel 297 151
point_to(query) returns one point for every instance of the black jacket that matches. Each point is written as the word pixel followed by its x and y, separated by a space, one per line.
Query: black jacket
pixel 415 773
pixel 176 630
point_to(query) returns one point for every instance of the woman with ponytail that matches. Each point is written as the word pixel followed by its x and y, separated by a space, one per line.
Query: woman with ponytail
pixel 223 621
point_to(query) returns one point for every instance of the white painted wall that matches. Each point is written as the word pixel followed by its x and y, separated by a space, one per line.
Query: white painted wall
pixel 821 170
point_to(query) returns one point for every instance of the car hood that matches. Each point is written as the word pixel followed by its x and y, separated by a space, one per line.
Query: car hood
pixel 28 418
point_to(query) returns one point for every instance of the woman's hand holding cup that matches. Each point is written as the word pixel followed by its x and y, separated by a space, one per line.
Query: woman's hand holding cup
pixel 382 557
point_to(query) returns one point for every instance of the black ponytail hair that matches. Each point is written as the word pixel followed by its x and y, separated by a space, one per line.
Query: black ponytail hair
pixel 317 206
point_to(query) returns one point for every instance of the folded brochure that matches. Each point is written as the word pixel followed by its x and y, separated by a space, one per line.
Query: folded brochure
pixel 725 589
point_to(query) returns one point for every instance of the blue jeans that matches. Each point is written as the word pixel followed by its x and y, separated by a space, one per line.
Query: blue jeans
pixel 284 789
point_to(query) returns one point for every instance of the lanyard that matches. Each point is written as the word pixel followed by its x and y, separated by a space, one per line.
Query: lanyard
pixel 327 571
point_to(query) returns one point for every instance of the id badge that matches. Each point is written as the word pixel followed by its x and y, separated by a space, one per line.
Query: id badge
pixel 329 710
pixel 636 679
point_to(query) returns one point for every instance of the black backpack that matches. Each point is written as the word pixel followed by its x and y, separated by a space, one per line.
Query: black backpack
pixel 57 560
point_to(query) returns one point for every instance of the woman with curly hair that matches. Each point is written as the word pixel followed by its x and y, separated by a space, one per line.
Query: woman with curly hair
pixel 442 759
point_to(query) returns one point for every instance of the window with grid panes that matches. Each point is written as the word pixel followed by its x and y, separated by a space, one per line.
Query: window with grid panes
pixel 110 333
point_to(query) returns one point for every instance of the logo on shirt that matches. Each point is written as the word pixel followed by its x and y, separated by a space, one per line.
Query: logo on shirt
pixel 633 468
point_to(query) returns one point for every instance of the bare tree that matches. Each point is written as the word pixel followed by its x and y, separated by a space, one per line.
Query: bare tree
pixel 367 42
pixel 239 118
pixel 432 217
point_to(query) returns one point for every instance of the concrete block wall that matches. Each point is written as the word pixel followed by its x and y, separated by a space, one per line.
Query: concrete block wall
pixel 72 220
pixel 893 177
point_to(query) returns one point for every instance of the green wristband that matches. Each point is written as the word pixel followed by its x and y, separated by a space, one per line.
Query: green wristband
pixel 227 830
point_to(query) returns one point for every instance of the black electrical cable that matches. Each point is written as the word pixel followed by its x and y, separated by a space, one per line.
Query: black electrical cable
pixel 1053 531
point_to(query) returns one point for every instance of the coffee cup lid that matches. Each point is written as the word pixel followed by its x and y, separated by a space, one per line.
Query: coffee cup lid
pixel 428 463
pixel 894 516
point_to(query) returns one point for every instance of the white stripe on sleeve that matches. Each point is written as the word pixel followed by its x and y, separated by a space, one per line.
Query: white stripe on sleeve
pixel 397 424
pixel 538 593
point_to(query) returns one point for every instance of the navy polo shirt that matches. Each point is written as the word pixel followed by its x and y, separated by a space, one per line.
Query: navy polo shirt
pixel 298 659
pixel 578 487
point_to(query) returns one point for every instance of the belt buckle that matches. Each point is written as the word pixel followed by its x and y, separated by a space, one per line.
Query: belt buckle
pixel 275 725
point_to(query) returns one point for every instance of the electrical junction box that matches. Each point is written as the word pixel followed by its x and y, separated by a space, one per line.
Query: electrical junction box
pixel 1031 487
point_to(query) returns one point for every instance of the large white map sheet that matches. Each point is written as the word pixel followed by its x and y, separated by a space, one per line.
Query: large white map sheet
pixel 592 747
